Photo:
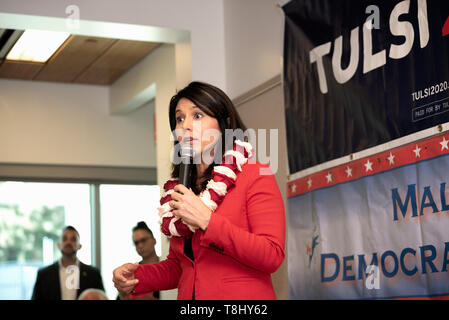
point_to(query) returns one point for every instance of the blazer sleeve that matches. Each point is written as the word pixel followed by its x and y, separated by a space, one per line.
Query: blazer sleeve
pixel 37 295
pixel 262 247
pixel 98 280
pixel 158 276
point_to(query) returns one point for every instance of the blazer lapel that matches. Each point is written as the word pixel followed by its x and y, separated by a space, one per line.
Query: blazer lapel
pixel 83 279
pixel 56 281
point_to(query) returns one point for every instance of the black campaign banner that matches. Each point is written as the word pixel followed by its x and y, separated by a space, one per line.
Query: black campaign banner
pixel 361 73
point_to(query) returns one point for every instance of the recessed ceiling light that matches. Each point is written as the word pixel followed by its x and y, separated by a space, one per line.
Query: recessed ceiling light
pixel 37 45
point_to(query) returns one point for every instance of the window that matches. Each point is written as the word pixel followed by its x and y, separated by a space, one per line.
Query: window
pixel 32 216
pixel 121 208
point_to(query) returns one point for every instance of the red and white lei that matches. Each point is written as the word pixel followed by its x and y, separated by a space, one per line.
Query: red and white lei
pixel 223 178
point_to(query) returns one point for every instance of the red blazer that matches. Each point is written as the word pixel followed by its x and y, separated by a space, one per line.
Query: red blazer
pixel 233 259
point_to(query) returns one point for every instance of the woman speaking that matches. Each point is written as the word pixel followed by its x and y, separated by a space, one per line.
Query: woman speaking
pixel 227 231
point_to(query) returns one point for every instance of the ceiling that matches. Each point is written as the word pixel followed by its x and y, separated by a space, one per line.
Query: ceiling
pixel 81 59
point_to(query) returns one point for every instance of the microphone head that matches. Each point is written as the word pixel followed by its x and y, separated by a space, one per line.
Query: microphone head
pixel 187 151
pixel 185 169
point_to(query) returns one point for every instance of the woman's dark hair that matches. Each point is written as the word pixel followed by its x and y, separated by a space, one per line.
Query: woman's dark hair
pixel 142 226
pixel 215 103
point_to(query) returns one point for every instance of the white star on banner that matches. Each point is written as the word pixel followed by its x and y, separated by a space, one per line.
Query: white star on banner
pixel 348 172
pixel 329 177
pixel 309 183
pixel 417 151
pixel 294 188
pixel 444 144
pixel 368 166
pixel 391 158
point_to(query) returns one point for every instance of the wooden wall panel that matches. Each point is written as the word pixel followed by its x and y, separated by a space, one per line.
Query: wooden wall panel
pixel 78 54
pixel 82 59
pixel 121 56
pixel 19 70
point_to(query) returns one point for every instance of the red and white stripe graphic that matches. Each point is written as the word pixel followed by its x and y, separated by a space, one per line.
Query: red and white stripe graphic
pixel 376 163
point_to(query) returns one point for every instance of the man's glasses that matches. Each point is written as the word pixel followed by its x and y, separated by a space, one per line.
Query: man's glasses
pixel 143 240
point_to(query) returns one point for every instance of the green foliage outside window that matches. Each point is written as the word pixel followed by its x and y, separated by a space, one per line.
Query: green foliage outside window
pixel 22 234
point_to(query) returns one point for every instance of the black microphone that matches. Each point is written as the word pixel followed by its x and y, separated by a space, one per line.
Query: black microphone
pixel 185 178
pixel 185 168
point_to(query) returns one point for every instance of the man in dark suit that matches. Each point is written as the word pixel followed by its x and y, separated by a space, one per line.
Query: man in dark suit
pixel 67 278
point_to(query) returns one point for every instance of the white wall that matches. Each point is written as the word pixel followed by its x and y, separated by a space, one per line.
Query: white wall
pixel 55 123
pixel 157 68
pixel 253 43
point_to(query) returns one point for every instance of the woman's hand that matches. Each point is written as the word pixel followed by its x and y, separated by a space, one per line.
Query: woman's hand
pixel 123 278
pixel 189 207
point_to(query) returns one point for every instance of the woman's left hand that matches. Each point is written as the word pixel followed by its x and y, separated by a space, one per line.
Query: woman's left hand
pixel 189 207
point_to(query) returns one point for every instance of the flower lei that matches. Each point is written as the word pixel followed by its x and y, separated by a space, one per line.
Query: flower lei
pixel 222 180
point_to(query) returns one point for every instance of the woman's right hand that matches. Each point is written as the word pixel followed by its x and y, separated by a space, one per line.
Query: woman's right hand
pixel 123 278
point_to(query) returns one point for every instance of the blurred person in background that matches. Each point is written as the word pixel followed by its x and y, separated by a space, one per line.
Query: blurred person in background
pixel 145 242
pixel 68 277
